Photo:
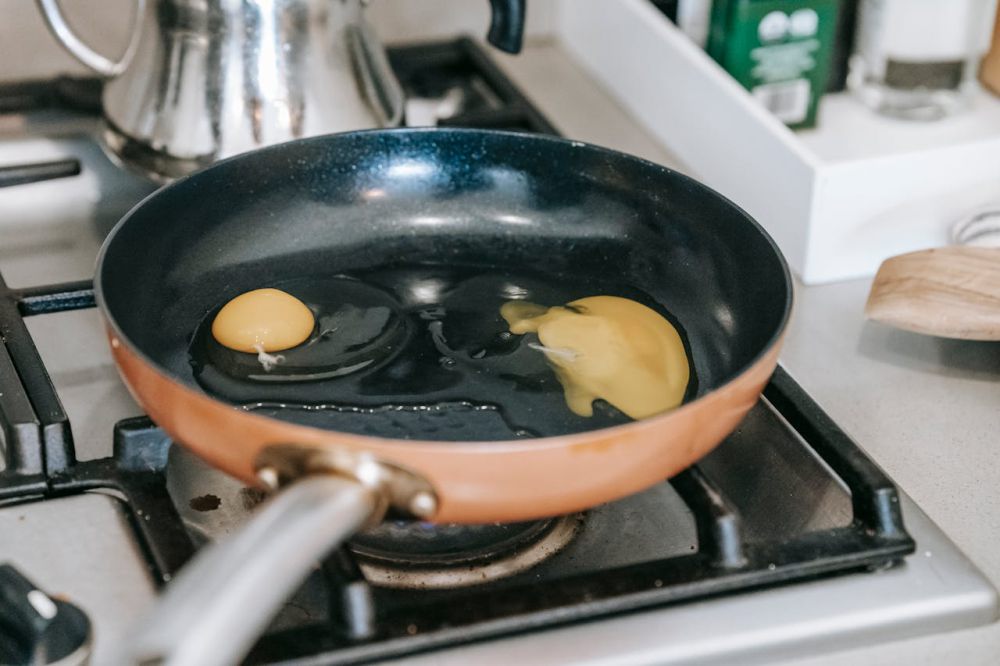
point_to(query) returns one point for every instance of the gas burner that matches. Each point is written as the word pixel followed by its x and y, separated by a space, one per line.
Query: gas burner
pixel 404 555
pixel 408 555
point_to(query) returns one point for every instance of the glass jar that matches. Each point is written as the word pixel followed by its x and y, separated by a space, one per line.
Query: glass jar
pixel 918 59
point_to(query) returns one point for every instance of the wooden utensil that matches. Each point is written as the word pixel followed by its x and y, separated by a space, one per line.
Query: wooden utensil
pixel 952 292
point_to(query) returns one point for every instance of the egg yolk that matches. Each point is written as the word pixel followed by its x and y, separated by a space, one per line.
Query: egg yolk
pixel 263 320
pixel 610 348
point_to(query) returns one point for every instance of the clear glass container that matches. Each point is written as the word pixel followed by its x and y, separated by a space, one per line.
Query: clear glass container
pixel 918 59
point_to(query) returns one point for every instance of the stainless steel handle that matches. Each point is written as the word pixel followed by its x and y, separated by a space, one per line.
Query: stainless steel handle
pixel 60 29
pixel 221 601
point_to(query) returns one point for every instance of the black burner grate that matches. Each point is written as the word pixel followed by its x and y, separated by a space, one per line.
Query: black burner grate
pixel 490 100
pixel 361 622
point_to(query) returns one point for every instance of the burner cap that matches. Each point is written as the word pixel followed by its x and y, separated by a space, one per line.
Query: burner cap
pixel 426 556
pixel 405 542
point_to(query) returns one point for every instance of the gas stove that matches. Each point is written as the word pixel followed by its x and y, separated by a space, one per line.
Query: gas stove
pixel 786 540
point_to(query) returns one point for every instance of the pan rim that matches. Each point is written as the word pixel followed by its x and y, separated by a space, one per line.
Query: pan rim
pixel 553 441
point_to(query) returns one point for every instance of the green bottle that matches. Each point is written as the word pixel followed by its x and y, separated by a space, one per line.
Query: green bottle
pixel 779 50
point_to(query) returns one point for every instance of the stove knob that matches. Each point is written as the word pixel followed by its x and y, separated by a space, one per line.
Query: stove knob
pixel 36 629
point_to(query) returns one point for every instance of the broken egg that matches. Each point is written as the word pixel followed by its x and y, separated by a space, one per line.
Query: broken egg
pixel 610 348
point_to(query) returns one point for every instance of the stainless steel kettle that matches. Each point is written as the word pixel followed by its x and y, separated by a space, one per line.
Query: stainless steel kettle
pixel 205 79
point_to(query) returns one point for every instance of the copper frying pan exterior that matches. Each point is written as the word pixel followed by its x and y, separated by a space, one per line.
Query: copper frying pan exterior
pixel 365 198
pixel 476 482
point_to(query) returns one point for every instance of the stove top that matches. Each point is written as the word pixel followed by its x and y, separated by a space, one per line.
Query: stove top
pixel 787 536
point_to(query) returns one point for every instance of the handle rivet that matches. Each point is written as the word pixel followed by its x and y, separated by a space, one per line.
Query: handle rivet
pixel 423 504
pixel 269 477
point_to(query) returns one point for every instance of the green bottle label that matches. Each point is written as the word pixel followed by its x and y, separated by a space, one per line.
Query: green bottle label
pixel 779 50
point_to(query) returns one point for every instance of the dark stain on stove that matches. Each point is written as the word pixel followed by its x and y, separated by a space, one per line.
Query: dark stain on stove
pixel 251 497
pixel 205 503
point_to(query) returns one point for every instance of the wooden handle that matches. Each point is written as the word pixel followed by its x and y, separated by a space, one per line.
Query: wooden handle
pixel 953 292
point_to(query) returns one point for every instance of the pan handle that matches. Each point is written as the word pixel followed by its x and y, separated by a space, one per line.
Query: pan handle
pixel 221 602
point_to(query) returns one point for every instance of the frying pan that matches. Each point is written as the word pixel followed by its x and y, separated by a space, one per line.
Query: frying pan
pixel 435 197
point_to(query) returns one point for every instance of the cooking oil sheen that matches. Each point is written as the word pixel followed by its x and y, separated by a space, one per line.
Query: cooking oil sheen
pixel 414 352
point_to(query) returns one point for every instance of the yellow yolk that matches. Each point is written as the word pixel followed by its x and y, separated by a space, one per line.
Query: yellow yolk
pixel 610 348
pixel 263 320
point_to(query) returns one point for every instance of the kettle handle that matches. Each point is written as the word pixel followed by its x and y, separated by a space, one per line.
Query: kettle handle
pixel 64 34
pixel 506 25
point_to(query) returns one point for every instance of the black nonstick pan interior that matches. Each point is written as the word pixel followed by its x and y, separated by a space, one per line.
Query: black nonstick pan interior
pixel 441 204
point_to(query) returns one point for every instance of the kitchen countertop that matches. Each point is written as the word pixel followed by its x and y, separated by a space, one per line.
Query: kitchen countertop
pixel 926 409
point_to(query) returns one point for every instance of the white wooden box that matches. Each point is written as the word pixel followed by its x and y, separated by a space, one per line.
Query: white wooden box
pixel 838 199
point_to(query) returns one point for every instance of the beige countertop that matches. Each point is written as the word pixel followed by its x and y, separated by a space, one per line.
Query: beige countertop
pixel 926 409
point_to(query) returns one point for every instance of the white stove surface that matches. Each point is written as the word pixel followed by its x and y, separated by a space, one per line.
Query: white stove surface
pixel 81 546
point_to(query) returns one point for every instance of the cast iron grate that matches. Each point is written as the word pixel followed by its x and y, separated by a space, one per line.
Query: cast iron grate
pixel 365 622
